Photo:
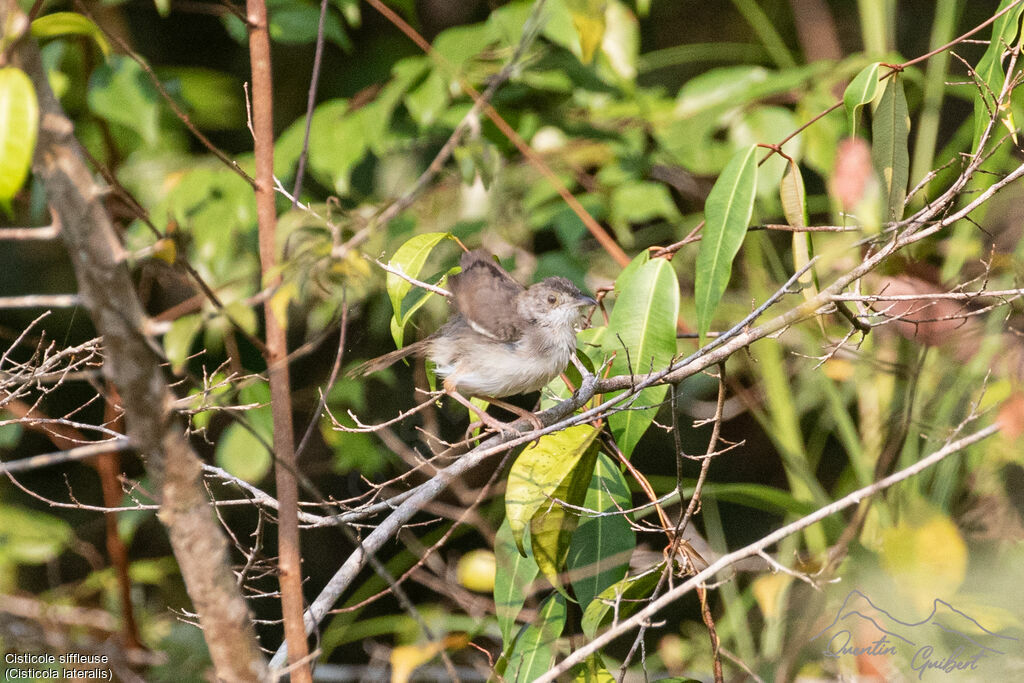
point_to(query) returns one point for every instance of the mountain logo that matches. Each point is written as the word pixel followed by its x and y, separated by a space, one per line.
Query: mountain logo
pixel 947 641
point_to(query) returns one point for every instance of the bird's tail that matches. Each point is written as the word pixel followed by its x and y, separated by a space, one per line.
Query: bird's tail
pixel 380 362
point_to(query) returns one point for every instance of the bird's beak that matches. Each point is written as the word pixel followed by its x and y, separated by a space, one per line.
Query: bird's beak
pixel 584 300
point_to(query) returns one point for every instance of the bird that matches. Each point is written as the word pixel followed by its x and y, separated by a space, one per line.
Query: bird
pixel 502 338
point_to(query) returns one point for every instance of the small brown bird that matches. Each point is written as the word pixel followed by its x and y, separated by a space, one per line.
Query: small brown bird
pixel 502 339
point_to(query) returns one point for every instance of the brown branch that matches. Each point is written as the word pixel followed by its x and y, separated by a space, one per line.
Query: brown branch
pixel 108 294
pixel 276 353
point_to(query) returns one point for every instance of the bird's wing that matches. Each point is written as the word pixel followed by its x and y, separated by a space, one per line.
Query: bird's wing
pixel 486 296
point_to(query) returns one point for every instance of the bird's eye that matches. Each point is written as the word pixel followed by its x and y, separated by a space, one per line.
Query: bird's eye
pixel 552 299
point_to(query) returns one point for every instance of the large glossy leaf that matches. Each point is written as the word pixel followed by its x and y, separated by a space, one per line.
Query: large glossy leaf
pixel 512 579
pixel 553 525
pixel 534 651
pixel 890 129
pixel 600 549
pixel 539 471
pixel 727 213
pixel 990 67
pixel 862 90
pixel 619 600
pixel 642 331
pixel 19 123
pixel 69 24
pixel 409 259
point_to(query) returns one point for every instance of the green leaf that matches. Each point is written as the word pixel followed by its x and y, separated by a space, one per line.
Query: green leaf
pixel 862 90
pixel 534 651
pixel 242 454
pixel 69 24
pixel 30 537
pixel 539 471
pixel 639 202
pixel 340 144
pixel 178 339
pixel 727 213
pixel 19 123
pixel 644 319
pixel 619 600
pixel 600 549
pixel 213 98
pixel 428 100
pixel 409 259
pixel 990 68
pixel 512 580
pixel 293 22
pixel 120 92
pixel 890 129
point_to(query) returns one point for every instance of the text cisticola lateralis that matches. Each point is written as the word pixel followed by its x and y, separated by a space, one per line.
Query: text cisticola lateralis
pixel 502 338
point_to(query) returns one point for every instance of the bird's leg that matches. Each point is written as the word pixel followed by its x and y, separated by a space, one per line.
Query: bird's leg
pixel 486 419
pixel 516 410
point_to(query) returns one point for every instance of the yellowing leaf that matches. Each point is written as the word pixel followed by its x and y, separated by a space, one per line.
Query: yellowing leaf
pixel 588 18
pixel 408 259
pixel 280 299
pixel 539 471
pixel 407 658
pixel 69 24
pixel 19 124
pixel 770 591
pixel 928 560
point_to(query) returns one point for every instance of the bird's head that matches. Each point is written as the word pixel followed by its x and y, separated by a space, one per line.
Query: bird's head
pixel 554 302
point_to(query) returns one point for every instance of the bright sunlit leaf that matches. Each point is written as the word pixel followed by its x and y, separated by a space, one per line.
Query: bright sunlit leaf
pixel 19 124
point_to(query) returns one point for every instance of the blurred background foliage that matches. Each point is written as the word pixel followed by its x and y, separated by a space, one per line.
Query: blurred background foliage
pixel 636 107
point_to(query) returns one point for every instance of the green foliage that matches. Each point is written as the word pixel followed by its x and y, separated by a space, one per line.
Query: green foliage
pixel 619 600
pixel 243 449
pixel 890 131
pixel 990 72
pixel 603 541
pixel 534 649
pixel 515 573
pixel 861 91
pixel 121 93
pixel 31 537
pixel 642 334
pixel 727 214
